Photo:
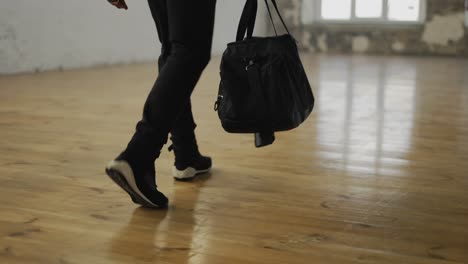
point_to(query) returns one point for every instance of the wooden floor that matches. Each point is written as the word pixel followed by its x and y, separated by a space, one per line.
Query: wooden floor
pixel 377 174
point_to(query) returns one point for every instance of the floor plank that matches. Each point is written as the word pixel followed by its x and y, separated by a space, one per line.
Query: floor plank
pixel 377 174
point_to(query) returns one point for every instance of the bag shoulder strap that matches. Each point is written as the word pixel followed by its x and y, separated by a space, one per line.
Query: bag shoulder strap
pixel 249 15
pixel 279 15
pixel 247 21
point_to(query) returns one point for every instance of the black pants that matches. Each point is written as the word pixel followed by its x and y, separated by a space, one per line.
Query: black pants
pixel 185 30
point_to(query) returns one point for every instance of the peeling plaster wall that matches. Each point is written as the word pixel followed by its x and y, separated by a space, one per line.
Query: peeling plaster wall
pixel 62 34
pixel 443 33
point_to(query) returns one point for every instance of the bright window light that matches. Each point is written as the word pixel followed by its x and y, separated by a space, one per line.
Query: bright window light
pixel 364 11
pixel 403 10
pixel 336 9
pixel 369 8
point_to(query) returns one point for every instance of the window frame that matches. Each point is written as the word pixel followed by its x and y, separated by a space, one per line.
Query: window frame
pixel 353 20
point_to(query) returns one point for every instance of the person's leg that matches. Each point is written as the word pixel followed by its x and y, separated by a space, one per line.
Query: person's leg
pixel 184 124
pixel 182 132
pixel 191 26
pixel 158 10
pixel 188 160
pixel 191 30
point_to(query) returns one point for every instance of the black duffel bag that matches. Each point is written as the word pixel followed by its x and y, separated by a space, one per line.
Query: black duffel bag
pixel 263 86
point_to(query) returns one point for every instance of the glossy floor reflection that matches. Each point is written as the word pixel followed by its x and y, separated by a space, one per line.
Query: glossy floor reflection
pixel 377 174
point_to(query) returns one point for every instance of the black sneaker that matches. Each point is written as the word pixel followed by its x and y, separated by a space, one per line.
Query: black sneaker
pixel 184 171
pixel 188 160
pixel 138 181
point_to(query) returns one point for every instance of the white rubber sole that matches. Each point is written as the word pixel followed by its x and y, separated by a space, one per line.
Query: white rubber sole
pixel 122 174
pixel 186 174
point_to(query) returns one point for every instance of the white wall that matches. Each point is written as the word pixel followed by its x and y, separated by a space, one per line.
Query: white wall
pixel 53 34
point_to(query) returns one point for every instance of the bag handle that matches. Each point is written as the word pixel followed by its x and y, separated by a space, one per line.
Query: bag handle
pixel 249 15
pixel 279 15
pixel 247 21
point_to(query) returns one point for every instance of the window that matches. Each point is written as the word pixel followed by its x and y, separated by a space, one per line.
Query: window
pixel 329 9
pixel 404 10
pixel 356 11
pixel 369 8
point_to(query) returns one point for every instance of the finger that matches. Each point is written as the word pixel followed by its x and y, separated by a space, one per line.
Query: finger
pixel 119 4
pixel 116 4
pixel 123 7
pixel 123 4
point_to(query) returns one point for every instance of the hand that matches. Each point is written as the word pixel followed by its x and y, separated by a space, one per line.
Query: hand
pixel 120 4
